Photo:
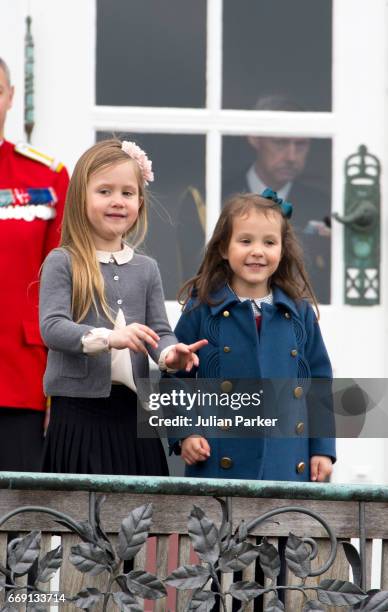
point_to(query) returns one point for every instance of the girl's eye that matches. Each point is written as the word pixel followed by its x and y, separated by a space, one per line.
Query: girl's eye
pixel 128 193
pixel 270 242
pixel 245 241
pixel 104 191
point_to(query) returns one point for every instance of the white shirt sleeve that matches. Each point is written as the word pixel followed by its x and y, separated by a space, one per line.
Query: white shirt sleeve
pixel 96 340
pixel 162 360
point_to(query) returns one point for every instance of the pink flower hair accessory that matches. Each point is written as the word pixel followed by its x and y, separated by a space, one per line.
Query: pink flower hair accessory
pixel 136 153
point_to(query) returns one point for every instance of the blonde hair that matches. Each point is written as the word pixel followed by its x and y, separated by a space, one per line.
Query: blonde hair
pixel 76 237
pixel 214 271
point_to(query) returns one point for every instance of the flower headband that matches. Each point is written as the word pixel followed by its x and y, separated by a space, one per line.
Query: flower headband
pixel 285 207
pixel 136 153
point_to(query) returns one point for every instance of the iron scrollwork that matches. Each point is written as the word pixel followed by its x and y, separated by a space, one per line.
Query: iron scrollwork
pixel 220 550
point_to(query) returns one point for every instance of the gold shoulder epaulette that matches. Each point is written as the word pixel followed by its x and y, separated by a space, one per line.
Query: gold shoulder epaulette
pixel 28 151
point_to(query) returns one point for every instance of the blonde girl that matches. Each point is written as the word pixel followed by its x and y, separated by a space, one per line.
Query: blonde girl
pixel 101 313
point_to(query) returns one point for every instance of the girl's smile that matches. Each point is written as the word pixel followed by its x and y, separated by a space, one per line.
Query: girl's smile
pixel 254 252
pixel 112 204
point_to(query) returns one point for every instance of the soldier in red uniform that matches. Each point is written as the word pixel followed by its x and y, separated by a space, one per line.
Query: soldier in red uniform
pixel 32 192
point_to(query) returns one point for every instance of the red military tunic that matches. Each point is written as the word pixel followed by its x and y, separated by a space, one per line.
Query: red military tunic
pixel 24 245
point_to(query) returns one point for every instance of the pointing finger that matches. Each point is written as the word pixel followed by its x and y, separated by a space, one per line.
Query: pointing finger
pixel 198 345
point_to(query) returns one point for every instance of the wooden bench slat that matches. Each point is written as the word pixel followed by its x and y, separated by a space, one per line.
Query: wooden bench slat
pixel 182 597
pixel 384 565
pixel 162 546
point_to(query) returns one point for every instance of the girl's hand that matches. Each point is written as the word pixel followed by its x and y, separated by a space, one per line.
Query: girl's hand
pixel 195 448
pixel 321 468
pixel 183 357
pixel 134 337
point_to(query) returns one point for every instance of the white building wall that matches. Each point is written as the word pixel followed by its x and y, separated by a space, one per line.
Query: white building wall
pixel 65 116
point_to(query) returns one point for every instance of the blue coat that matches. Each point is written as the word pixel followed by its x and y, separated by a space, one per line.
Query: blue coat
pixel 289 346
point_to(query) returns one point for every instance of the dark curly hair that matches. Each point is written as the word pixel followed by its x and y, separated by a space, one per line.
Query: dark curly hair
pixel 214 271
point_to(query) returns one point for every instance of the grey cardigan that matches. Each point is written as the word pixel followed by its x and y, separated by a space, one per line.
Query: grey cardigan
pixel 138 292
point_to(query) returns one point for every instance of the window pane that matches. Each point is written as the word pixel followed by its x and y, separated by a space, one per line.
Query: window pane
pixel 299 169
pixel 175 235
pixel 275 46
pixel 151 53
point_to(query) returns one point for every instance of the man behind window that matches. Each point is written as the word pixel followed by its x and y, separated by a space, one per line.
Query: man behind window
pixel 279 164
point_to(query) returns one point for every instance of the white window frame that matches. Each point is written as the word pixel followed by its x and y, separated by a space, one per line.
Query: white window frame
pixel 215 122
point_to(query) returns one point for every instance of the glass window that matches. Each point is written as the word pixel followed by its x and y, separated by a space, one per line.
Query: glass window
pixel 176 233
pixel 151 53
pixel 277 47
pixel 299 169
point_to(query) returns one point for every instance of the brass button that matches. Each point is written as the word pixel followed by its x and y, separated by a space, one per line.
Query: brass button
pixel 287 315
pixel 300 467
pixel 227 349
pixel 294 353
pixel 226 386
pixel 226 313
pixel 226 463
pixel 299 427
pixel 224 427
pixel 298 392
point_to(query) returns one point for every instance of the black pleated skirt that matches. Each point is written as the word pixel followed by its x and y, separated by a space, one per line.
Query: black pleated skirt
pixel 98 436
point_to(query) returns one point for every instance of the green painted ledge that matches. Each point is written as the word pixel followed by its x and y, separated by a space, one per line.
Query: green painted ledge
pixel 192 486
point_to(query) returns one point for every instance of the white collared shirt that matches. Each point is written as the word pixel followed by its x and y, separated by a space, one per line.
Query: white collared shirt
pixel 257 302
pixel 96 340
pixel 256 185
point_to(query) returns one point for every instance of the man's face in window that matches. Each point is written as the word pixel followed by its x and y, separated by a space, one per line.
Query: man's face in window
pixel 279 160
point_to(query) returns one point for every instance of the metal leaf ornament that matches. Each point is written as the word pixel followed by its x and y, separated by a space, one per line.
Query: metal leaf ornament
pixel 127 602
pixel 201 601
pixel 298 556
pixel 225 529
pixel 134 531
pixel 89 558
pixel 354 560
pixel 204 536
pixel 146 585
pixel 35 607
pixel 22 552
pixel 246 590
pixel 339 593
pixel 9 608
pixel 188 577
pixel 274 605
pixel 241 532
pixel 238 557
pixel 100 535
pixel 377 601
pixel 269 559
pixel 87 598
pixel 49 564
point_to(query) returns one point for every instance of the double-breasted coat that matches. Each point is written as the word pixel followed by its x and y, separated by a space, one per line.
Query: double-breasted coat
pixel 289 347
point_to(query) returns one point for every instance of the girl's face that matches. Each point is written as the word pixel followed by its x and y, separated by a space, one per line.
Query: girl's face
pixel 254 251
pixel 112 204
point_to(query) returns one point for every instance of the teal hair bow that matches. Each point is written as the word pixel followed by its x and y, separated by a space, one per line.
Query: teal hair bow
pixel 285 207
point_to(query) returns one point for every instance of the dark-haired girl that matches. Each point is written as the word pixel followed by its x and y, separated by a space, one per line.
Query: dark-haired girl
pixel 251 300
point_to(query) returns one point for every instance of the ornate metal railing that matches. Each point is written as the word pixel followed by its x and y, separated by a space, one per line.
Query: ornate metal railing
pixel 285 545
